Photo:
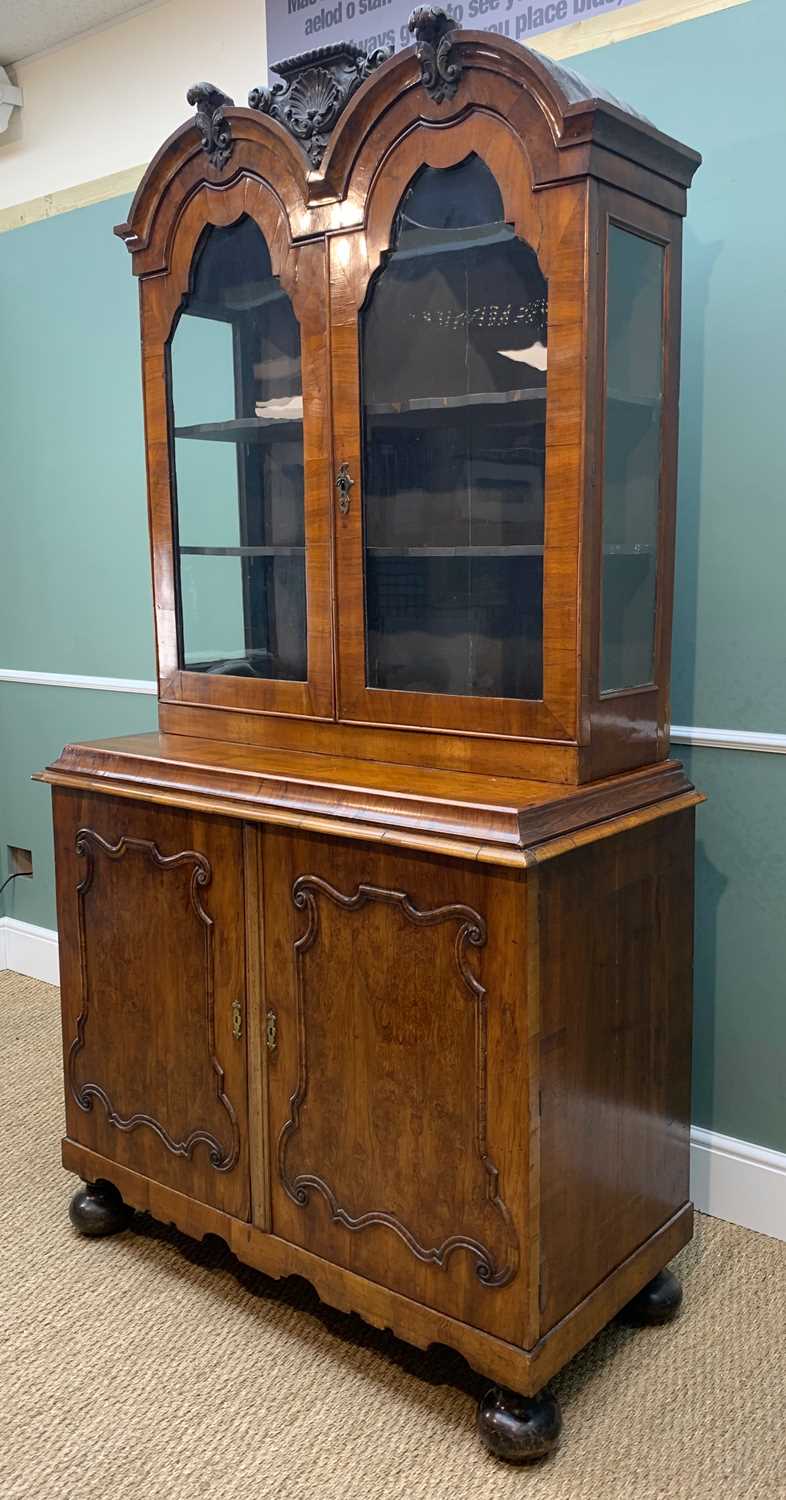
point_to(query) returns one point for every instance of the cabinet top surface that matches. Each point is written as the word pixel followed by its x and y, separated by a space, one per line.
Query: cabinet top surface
pixel 485 817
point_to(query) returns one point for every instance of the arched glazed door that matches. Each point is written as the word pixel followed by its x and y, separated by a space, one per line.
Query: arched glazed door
pixel 237 409
pixel 236 370
pixel 454 339
pixel 445 308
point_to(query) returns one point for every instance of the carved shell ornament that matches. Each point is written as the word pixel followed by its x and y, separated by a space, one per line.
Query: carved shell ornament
pixel 314 90
pixel 315 87
pixel 440 64
pixel 313 103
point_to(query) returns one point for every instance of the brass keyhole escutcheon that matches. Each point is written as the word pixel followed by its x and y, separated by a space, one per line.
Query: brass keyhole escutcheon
pixel 344 483
pixel 237 1020
pixel 271 1030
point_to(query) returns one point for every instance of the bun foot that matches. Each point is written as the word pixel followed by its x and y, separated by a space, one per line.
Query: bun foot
pixel 97 1208
pixel 657 1302
pixel 519 1429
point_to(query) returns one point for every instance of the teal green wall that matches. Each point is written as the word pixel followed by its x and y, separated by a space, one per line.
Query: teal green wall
pixel 74 562
pixel 74 575
pixel 717 83
pixel 740 1018
pixel 35 724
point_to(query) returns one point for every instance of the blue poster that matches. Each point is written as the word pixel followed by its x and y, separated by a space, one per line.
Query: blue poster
pixel 300 25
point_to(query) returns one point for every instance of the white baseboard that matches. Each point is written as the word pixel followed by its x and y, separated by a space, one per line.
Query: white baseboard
pixel 29 950
pixel 730 1179
pixel 739 1181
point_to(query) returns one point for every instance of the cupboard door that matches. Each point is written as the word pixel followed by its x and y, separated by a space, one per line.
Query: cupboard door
pixel 398 1107
pixel 150 914
pixel 458 380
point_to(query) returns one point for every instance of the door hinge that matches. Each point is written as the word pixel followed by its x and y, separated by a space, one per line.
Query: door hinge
pixel 237 1019
pixel 271 1031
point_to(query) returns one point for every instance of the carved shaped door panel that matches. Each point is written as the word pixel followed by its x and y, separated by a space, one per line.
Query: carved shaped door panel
pixel 398 1111
pixel 150 909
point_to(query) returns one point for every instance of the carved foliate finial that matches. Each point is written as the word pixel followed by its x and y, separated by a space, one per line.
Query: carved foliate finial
pixel 316 88
pixel 216 134
pixel 440 64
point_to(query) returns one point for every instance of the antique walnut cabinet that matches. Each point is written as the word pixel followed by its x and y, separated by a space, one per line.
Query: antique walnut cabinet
pixel 376 957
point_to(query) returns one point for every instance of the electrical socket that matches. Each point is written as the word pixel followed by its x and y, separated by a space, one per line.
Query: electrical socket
pixel 20 861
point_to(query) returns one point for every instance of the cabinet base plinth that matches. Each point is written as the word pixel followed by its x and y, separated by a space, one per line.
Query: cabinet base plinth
pixel 526 1371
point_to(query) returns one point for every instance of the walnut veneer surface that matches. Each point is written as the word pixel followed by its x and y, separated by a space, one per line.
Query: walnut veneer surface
pixel 438 1052
pixel 401 803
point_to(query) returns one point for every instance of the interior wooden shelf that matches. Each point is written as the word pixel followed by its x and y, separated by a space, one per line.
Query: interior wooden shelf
pixel 532 549
pixel 529 550
pixel 241 299
pixel 242 551
pixel 244 430
pixel 612 549
pixel 278 367
pixel 629 398
pixel 629 549
pixel 476 237
pixel 428 404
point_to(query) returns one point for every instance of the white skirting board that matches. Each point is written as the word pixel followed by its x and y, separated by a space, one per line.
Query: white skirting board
pixel 29 950
pixel 738 1181
pixel 730 1179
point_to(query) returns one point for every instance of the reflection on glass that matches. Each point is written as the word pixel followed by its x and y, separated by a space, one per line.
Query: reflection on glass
pixel 238 455
pixel 454 414
pixel 631 479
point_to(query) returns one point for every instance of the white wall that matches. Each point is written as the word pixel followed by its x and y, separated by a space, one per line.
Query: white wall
pixel 105 101
pixel 101 104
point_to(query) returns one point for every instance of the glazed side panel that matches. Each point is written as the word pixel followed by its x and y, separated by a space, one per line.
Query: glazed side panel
pixel 629 727
pixel 398 1085
pixel 152 958
pixel 616 962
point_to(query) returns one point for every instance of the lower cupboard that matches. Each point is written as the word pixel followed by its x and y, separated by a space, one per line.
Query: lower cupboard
pixel 454 1095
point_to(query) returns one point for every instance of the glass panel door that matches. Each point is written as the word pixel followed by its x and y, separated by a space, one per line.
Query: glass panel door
pixel 454 372
pixel 237 420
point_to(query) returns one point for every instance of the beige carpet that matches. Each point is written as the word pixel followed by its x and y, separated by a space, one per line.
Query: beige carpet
pixel 148 1367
